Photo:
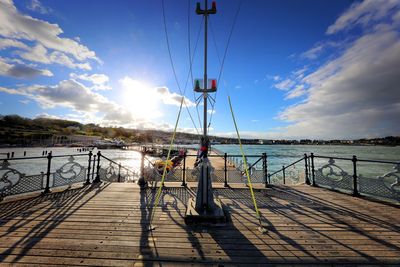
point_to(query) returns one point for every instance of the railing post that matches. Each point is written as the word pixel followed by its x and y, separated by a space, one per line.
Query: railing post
pixel 184 171
pixel 97 179
pixel 94 166
pixel 265 168
pixel 142 182
pixel 313 170
pixel 89 166
pixel 269 178
pixel 119 172
pixel 355 186
pixel 284 175
pixel 306 169
pixel 225 170
pixel 47 189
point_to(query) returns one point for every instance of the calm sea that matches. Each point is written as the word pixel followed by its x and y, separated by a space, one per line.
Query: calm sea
pixel 278 155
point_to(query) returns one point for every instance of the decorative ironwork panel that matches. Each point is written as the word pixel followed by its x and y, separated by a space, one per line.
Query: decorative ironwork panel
pixel 70 173
pixel 294 174
pixel 13 182
pixel 386 186
pixel 332 176
pixel 27 184
pixel 110 173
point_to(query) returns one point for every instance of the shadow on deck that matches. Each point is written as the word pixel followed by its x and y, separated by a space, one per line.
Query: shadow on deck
pixel 108 225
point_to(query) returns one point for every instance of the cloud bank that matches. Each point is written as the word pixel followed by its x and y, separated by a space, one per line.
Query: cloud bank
pixel 39 41
pixel 357 93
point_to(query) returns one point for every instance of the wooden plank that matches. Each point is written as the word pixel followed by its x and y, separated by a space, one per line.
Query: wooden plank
pixel 108 226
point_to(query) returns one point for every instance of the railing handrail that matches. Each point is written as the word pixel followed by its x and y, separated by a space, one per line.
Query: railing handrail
pixel 229 155
pixel 358 159
pixel 119 164
pixel 45 157
pixel 285 167
pixel 254 164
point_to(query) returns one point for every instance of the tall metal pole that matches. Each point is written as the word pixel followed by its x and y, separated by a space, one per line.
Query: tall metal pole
pixel 205 70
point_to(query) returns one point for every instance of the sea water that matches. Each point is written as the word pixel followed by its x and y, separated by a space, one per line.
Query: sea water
pixel 283 155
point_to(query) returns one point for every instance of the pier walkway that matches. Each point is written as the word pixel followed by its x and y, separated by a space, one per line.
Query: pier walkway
pixel 105 224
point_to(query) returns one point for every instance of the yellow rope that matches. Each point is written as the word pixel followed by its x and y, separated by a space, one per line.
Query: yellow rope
pixel 157 200
pixel 245 162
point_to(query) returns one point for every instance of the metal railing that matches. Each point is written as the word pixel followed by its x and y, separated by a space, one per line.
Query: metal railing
pixel 372 178
pixel 293 173
pixel 229 173
pixel 114 171
pixel 22 175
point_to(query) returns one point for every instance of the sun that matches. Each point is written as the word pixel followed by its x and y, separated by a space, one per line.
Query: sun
pixel 140 98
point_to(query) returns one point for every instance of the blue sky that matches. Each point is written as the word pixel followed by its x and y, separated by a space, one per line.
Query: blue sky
pixel 294 69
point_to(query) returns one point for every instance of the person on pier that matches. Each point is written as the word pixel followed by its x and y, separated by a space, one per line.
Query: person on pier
pixel 203 151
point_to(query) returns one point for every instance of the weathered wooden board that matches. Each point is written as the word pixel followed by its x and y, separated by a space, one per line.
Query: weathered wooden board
pixel 107 226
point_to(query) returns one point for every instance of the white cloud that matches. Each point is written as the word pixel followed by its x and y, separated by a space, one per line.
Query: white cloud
pixel 318 49
pixel 35 5
pixel 6 43
pixel 363 13
pixel 313 52
pixel 296 92
pixel 39 53
pixel 80 99
pixel 45 36
pixel 211 111
pixel 171 98
pixel 7 68
pixel 25 101
pixel 47 116
pixel 285 85
pixel 136 111
pixel 274 77
pixel 94 78
pixel 99 81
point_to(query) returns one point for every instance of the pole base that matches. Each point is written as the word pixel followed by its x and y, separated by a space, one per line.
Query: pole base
pixel 214 216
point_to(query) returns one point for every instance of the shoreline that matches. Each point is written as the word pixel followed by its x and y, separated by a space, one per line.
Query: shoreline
pixel 90 146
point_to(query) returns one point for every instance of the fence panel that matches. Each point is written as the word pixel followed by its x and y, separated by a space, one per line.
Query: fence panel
pixel 335 174
pixel 111 171
pixel 379 180
pixel 68 170
pixel 16 178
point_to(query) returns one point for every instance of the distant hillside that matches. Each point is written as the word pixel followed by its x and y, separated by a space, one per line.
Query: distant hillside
pixel 16 130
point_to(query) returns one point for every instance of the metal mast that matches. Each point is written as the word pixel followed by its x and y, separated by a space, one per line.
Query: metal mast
pixel 205 69
pixel 204 208
pixel 205 12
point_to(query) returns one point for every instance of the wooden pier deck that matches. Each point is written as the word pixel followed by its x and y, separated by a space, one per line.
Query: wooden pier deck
pixel 106 225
